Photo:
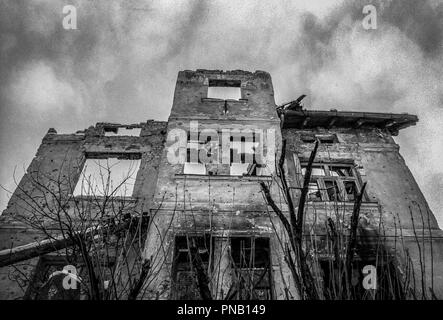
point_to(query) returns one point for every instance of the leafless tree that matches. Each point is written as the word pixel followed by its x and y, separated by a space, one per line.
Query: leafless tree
pixel 100 230
pixel 335 277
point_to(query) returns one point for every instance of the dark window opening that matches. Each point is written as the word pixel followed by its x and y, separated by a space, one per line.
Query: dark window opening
pixel 314 193
pixel 350 189
pixel 252 269
pixel 333 191
pixel 184 274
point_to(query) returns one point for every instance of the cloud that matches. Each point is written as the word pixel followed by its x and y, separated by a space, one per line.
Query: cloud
pixel 396 68
pixel 122 62
pixel 36 89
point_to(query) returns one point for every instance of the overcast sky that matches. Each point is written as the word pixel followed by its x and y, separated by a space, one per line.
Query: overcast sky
pixel 122 62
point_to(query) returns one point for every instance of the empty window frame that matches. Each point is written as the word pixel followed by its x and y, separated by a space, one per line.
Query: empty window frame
pixel 113 176
pixel 243 152
pixel 184 273
pixel 332 182
pixel 251 265
pixel 224 89
pixel 323 138
pixel 121 131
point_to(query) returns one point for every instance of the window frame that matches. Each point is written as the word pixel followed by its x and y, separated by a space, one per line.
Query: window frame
pixel 177 264
pixel 131 156
pixel 236 140
pixel 339 181
pixel 267 269
pixel 225 83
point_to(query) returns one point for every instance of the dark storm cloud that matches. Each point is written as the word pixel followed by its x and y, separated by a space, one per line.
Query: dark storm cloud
pixel 420 21
pixel 122 63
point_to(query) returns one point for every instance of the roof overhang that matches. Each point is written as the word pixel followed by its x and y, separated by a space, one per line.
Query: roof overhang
pixel 307 119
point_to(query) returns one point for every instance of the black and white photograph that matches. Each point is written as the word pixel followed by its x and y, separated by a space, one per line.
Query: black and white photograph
pixel 219 154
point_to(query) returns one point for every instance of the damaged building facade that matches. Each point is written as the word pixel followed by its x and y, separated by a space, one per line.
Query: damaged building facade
pixel 190 192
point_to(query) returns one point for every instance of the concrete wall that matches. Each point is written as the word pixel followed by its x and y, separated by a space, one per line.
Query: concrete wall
pixel 220 205
pixel 61 157
pixel 394 206
pixel 224 206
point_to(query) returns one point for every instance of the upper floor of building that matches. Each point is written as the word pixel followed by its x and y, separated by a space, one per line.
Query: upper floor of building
pixel 216 94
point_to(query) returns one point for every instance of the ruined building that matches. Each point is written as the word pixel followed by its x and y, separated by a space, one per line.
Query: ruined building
pixel 194 201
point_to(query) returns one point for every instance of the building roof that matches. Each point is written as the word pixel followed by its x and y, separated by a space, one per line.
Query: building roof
pixel 305 119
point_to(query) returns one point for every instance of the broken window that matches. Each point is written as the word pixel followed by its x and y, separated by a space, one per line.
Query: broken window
pixel 243 150
pixel 333 190
pixel 316 171
pixel 251 265
pixel 113 176
pixel 340 171
pixel 332 182
pixel 314 193
pixel 185 286
pixel 350 189
pixel 224 89
pixel 121 131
